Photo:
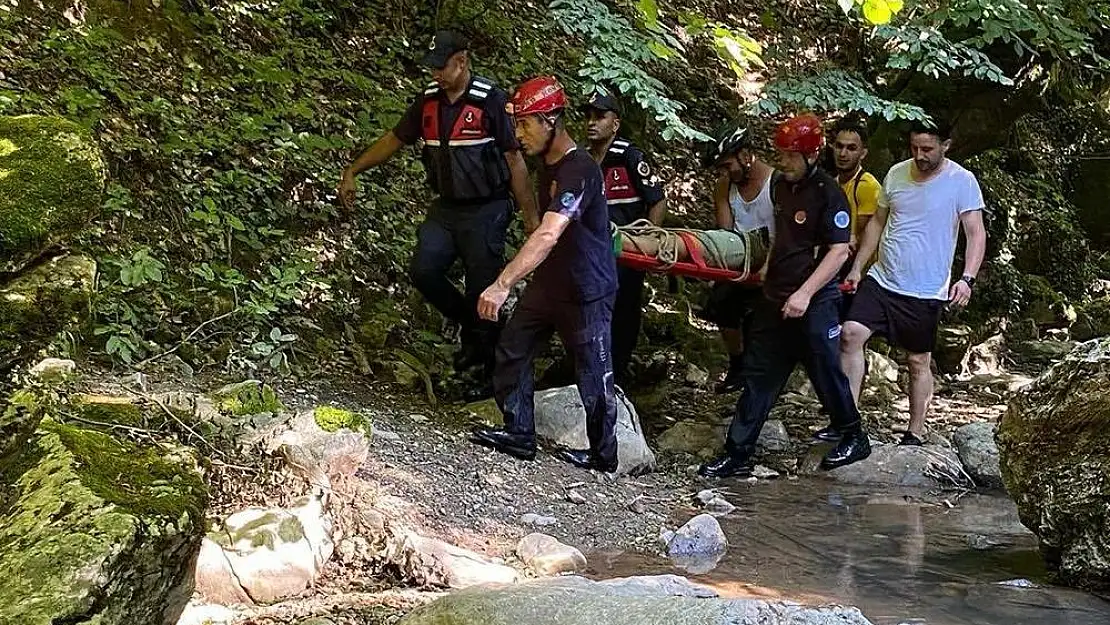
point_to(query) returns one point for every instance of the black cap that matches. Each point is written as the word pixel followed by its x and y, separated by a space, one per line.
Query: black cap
pixel 600 102
pixel 443 46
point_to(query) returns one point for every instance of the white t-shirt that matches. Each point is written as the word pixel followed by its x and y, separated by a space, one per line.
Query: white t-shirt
pixel 923 222
pixel 759 213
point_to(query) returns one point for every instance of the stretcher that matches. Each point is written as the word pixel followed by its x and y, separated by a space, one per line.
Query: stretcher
pixel 732 257
pixel 696 267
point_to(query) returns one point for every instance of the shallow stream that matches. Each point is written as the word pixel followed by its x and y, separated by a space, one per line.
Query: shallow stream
pixel 900 559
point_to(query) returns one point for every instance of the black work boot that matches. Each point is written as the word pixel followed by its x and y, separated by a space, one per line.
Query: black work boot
pixel 728 466
pixel 519 445
pixel 855 446
pixel 733 381
pixel 583 459
pixel 827 434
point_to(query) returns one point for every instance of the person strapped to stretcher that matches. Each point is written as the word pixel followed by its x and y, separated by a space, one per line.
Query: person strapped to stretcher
pixel 722 255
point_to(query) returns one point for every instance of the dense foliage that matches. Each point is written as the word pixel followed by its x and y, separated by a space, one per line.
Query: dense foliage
pixel 226 123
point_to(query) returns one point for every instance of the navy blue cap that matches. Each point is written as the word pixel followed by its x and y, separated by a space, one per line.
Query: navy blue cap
pixel 601 102
pixel 443 46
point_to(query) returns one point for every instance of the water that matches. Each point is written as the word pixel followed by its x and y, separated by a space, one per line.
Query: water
pixel 898 559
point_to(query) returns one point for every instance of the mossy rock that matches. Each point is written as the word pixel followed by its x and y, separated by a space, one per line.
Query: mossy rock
pixel 94 530
pixel 249 397
pixel 49 298
pixel 1041 302
pixel 1092 320
pixel 1054 444
pixel 19 417
pixel 332 419
pixel 52 180
pixel 109 410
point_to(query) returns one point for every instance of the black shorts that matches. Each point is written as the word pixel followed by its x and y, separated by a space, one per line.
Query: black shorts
pixel 729 304
pixel 907 322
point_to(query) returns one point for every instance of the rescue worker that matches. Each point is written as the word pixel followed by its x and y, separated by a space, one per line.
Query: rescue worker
pixel 742 202
pixel 571 291
pixel 633 193
pixel 474 164
pixel 798 319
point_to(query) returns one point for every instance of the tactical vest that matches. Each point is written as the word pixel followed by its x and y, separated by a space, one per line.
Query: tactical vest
pixel 625 203
pixel 463 164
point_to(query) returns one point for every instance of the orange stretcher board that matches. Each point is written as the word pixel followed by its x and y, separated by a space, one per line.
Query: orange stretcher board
pixel 695 268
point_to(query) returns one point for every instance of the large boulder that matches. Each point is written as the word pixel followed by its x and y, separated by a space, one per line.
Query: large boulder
pixel 904 465
pixel 979 453
pixel 561 419
pixel 1054 444
pixel 52 180
pixel 1092 320
pixel 96 531
pixel 41 302
pixel 953 343
pixel 578 601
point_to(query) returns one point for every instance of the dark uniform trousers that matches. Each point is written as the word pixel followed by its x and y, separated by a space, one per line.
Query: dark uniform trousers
pixel 476 234
pixel 775 346
pixel 584 329
pixel 628 311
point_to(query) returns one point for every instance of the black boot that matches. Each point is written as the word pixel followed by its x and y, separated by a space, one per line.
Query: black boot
pixel 727 466
pixel 733 381
pixel 519 445
pixel 827 435
pixel 583 459
pixel 855 446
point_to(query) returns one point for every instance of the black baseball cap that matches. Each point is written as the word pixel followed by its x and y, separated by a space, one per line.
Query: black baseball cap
pixel 444 45
pixel 601 102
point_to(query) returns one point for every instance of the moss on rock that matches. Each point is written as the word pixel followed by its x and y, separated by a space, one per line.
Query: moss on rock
pixel 42 302
pixel 249 397
pixel 52 180
pixel 1054 444
pixel 95 530
pixel 332 419
pixel 109 410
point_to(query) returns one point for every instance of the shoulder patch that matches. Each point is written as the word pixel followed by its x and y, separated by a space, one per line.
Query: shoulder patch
pixel 643 169
pixel 842 219
pixel 566 199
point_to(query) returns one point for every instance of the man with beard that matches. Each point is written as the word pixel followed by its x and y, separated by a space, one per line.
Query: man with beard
pixel 571 291
pixel 924 202
pixel 798 320
pixel 475 166
pixel 742 202
pixel 860 187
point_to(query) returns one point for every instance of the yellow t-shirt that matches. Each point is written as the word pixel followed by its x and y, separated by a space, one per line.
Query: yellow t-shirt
pixel 863 198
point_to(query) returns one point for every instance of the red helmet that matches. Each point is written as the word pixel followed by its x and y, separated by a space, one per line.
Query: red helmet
pixel 542 95
pixel 802 133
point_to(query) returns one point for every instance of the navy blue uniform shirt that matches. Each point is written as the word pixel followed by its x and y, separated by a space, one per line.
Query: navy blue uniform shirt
pixel 499 124
pixel 581 267
pixel 810 215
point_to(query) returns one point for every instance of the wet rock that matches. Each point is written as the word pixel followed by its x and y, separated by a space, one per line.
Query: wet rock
pixel 763 473
pixel 1018 583
pixel 264 555
pixel 897 465
pixel 575 600
pixel 773 437
pixel 1054 444
pixel 97 530
pixel 701 535
pixel 979 453
pixel 714 503
pixel 560 418
pixel 547 556
pixel 662 585
pixel 703 440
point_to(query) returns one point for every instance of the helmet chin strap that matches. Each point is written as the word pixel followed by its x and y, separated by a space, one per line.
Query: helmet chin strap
pixel 550 119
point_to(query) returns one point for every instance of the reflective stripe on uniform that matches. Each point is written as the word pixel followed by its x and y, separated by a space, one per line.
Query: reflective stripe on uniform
pixel 458 142
pixel 627 200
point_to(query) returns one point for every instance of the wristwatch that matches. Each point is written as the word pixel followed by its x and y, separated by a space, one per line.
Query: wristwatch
pixel 970 280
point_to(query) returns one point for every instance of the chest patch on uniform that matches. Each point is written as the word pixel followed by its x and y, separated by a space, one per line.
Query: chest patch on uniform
pixel 643 169
pixel 616 174
pixel 800 217
pixel 842 219
pixel 469 117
